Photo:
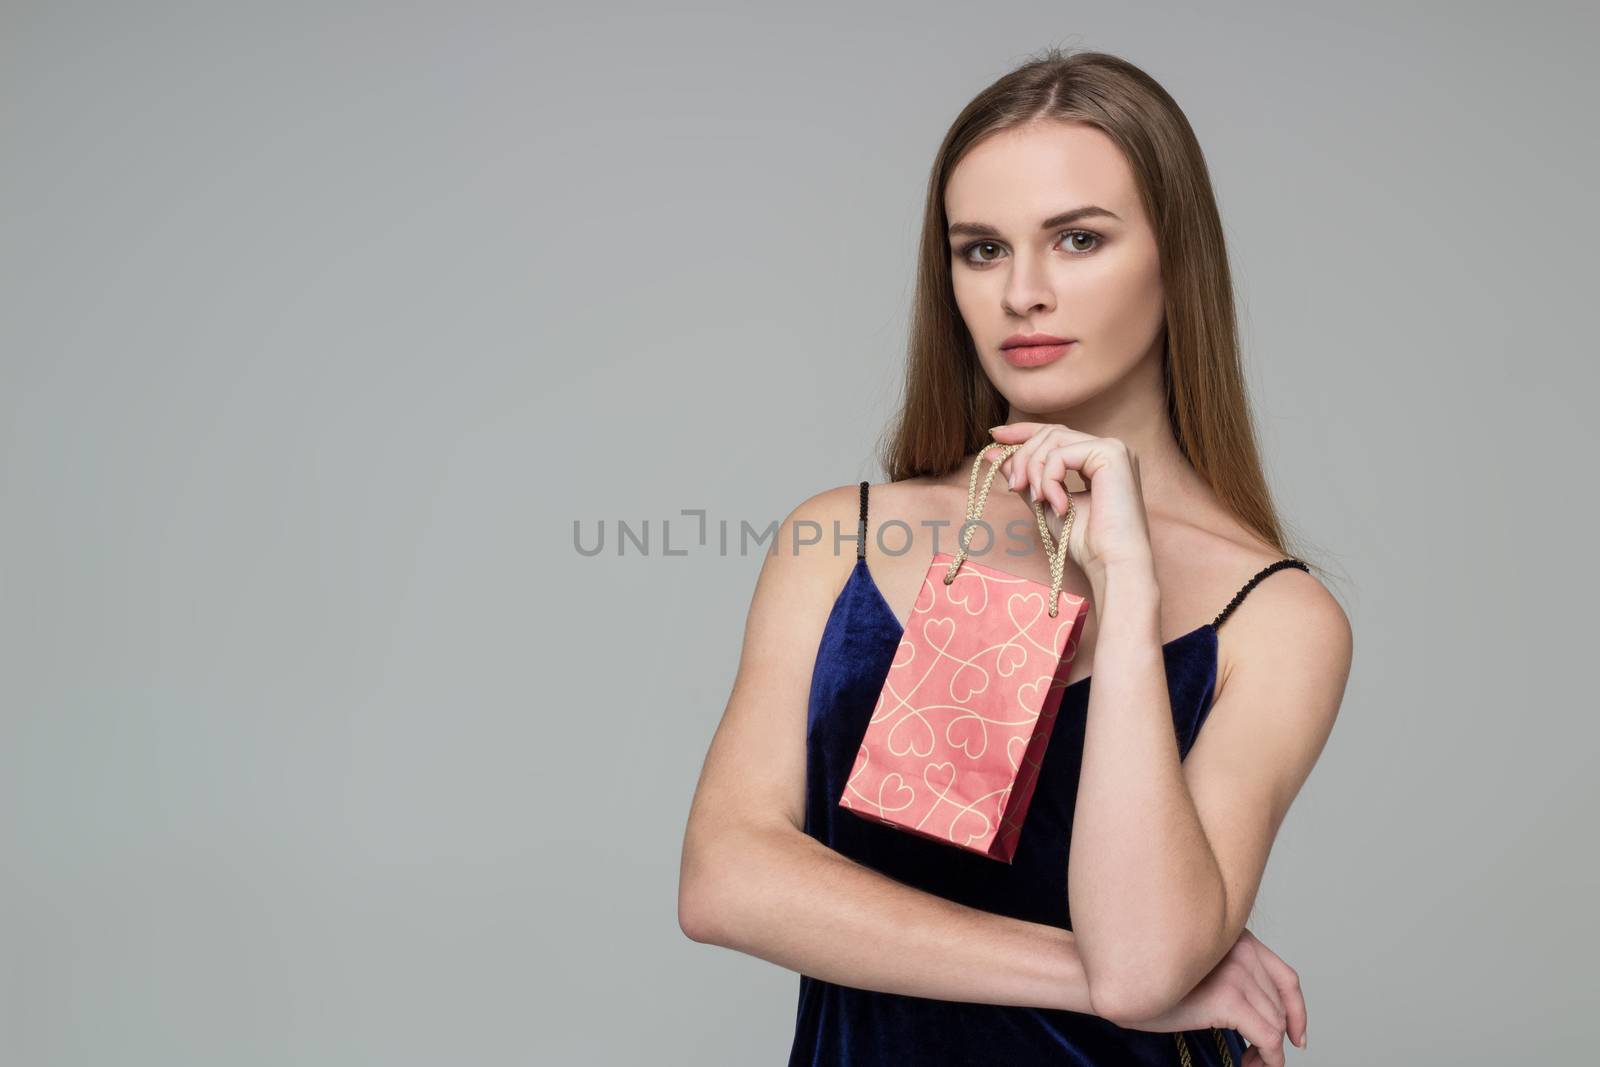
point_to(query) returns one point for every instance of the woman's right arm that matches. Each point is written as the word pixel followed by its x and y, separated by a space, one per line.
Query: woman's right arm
pixel 752 880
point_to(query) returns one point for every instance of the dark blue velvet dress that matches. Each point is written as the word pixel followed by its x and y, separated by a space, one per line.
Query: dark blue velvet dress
pixel 841 1026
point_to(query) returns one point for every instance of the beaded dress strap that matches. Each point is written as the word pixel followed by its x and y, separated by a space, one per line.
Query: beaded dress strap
pixel 1251 584
pixel 861 538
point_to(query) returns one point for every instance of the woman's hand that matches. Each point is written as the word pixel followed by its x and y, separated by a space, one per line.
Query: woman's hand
pixel 1252 991
pixel 1110 525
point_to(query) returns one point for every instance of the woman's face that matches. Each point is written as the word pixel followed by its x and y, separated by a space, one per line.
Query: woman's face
pixel 1018 267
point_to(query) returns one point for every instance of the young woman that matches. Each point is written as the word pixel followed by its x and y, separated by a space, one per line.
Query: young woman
pixel 1073 297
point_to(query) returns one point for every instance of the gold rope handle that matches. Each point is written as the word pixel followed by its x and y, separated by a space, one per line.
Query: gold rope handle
pixel 1055 551
pixel 1222 1047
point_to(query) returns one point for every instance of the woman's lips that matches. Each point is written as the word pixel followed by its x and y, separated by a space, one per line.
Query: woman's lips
pixel 1035 355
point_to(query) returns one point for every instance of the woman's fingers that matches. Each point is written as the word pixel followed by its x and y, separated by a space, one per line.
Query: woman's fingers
pixel 1038 447
pixel 1058 460
pixel 1287 981
pixel 1028 436
pixel 1014 433
pixel 1019 466
pixel 1268 1009
pixel 1263 1016
pixel 1264 1034
pixel 1248 952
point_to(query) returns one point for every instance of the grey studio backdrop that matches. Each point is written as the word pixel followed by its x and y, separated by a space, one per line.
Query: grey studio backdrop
pixel 322 743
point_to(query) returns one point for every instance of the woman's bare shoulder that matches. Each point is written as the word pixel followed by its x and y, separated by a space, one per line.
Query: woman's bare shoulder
pixel 820 535
pixel 1208 558
pixel 817 534
pixel 1209 563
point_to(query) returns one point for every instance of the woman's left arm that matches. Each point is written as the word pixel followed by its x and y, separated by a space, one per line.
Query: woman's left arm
pixel 1167 853
pixel 1166 856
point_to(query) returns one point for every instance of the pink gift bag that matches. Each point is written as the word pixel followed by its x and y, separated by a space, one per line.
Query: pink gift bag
pixel 953 748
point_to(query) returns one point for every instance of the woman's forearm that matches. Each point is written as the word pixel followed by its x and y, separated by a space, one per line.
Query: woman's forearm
pixel 781 895
pixel 1146 891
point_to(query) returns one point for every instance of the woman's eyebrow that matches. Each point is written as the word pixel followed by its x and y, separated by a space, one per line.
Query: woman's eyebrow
pixel 980 229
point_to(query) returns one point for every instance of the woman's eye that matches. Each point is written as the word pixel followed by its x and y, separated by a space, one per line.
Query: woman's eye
pixel 978 247
pixel 1084 233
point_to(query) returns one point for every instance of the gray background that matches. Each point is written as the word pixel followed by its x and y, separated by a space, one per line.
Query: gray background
pixel 321 742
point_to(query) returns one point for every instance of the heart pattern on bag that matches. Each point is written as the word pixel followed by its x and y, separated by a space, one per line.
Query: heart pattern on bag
pixel 951 749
